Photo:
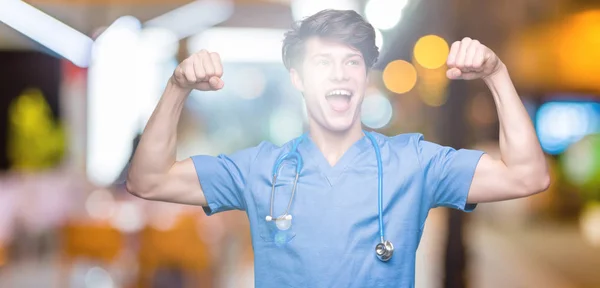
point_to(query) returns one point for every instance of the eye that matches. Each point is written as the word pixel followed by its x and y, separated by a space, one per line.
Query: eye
pixel 353 62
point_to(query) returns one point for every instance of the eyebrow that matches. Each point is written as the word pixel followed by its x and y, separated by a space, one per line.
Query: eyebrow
pixel 328 55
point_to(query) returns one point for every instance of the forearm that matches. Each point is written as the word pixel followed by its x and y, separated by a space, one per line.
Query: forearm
pixel 156 151
pixel 519 146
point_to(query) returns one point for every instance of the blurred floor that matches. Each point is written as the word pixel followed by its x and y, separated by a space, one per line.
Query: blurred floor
pixel 539 255
pixel 549 255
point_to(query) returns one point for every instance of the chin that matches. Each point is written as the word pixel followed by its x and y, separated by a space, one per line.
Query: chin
pixel 339 124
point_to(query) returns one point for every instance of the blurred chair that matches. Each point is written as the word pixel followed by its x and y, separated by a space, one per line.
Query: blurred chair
pixel 178 247
pixel 95 241
pixel 3 257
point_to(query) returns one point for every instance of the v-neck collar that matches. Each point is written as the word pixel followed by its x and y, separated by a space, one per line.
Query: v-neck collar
pixel 313 157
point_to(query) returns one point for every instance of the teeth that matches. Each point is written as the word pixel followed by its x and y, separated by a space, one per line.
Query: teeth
pixel 340 92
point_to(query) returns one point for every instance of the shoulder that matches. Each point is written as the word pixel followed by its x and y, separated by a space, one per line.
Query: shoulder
pixel 267 149
pixel 403 140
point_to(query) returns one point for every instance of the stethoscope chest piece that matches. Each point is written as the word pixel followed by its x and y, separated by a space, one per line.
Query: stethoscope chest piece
pixel 384 250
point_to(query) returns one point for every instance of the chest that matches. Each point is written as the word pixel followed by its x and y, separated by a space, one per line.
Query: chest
pixel 331 208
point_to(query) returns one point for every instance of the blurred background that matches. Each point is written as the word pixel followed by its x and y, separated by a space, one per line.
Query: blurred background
pixel 80 79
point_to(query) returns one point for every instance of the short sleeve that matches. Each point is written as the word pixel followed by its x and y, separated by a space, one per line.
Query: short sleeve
pixel 223 179
pixel 448 174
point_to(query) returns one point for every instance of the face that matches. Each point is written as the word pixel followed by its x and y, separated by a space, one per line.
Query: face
pixel 333 78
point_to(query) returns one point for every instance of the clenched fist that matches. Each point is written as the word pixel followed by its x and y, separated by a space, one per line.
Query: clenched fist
pixel 202 71
pixel 468 59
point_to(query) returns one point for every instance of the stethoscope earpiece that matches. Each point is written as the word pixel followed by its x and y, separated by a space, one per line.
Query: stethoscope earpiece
pixel 384 250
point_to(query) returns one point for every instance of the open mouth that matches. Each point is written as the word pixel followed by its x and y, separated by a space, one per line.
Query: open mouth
pixel 339 99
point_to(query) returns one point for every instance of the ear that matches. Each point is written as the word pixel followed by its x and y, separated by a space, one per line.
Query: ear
pixel 296 79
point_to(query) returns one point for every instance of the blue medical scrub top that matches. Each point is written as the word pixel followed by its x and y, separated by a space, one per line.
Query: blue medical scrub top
pixel 331 242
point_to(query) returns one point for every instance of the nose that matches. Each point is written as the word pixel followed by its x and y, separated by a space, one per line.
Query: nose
pixel 338 73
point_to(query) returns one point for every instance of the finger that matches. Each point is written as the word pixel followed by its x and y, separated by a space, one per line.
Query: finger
pixel 470 55
pixel 451 62
pixel 454 73
pixel 462 52
pixel 203 86
pixel 216 83
pixel 216 61
pixel 487 53
pixel 479 57
pixel 198 69
pixel 178 73
pixel 188 71
pixel 209 68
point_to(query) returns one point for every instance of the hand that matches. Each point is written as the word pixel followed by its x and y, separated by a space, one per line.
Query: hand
pixel 202 71
pixel 468 59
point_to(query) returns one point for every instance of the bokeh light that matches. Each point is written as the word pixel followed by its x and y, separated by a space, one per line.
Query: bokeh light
pixel 559 124
pixel 305 8
pixel 100 204
pixel 128 218
pixel 285 125
pixel 378 39
pixel 376 111
pixel 581 161
pixel 432 86
pixel 249 82
pixel 431 51
pixel 399 76
pixel 384 14
pixel 589 224
pixel 98 278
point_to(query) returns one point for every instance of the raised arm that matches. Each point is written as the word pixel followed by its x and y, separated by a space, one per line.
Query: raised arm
pixel 154 173
pixel 522 170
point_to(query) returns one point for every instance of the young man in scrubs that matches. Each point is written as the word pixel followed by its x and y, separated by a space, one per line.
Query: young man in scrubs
pixel 332 237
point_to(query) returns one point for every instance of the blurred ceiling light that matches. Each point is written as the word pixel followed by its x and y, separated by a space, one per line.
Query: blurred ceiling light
pixel 113 104
pixel 399 76
pixel 431 51
pixel 239 45
pixel 123 23
pixel 194 17
pixel 158 44
pixel 378 39
pixel 384 14
pixel 305 8
pixel 376 111
pixel 46 30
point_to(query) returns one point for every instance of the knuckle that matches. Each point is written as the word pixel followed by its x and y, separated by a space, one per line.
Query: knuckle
pixel 466 39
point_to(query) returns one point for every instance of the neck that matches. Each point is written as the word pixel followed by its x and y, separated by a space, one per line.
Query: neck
pixel 333 144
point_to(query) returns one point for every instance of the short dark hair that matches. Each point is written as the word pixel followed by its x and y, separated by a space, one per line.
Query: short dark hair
pixel 345 26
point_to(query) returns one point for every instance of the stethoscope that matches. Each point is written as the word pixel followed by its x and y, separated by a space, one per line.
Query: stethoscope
pixel 384 249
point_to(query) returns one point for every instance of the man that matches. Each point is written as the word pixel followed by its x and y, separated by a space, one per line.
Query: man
pixel 332 237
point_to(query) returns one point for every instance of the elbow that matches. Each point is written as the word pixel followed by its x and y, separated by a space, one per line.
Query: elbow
pixel 134 188
pixel 540 184
pixel 537 181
